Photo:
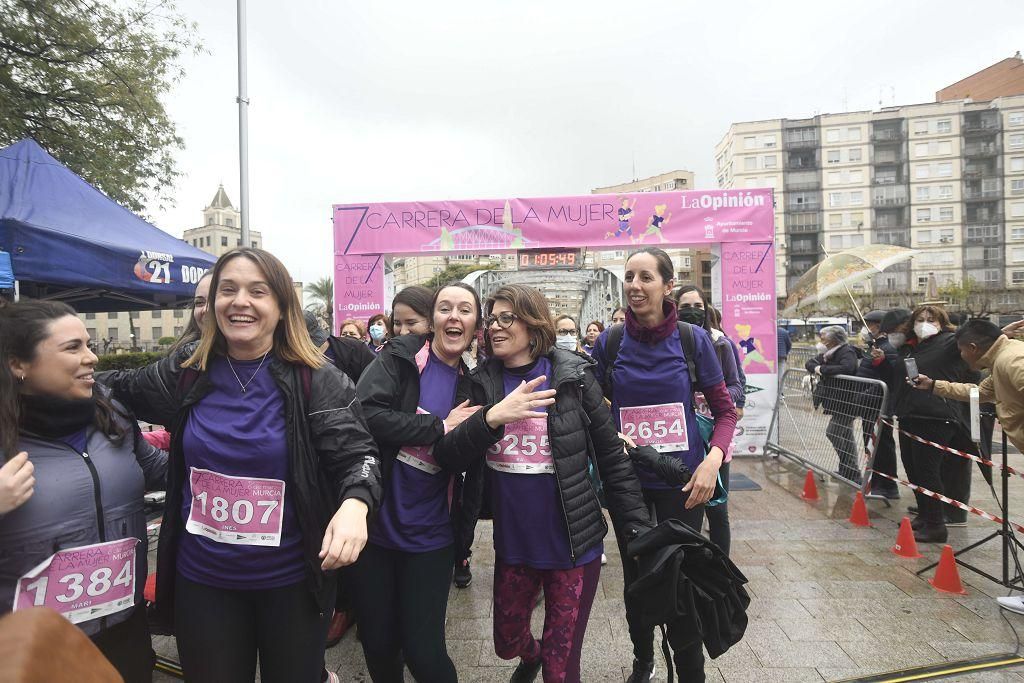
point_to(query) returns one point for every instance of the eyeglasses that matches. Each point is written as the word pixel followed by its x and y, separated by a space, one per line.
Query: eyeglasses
pixel 504 320
pixel 567 333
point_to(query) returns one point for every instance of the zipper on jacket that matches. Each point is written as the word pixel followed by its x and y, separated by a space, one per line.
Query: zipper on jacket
pixel 100 526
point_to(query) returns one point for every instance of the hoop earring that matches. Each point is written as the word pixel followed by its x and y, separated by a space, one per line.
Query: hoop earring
pixel 22 378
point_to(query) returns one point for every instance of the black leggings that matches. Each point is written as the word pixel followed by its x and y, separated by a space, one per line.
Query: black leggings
pixel 687 648
pixel 400 600
pixel 221 631
pixel 128 647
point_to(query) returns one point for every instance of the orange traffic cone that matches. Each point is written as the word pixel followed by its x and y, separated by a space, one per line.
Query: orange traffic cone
pixel 947 576
pixel 810 488
pixel 859 513
pixel 906 546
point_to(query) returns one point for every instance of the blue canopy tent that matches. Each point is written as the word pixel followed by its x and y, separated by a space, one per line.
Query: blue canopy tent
pixel 70 242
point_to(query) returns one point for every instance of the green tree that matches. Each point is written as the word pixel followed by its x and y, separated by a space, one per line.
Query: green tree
pixel 85 79
pixel 456 271
pixel 322 294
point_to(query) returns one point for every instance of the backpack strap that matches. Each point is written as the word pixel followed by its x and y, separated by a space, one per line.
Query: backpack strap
pixel 614 341
pixel 306 377
pixel 689 345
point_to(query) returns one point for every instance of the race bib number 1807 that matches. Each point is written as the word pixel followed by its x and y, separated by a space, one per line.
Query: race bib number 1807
pixel 236 510
pixel 82 583
pixel 661 426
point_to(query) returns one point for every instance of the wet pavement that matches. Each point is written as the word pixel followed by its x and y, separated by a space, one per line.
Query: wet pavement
pixel 829 601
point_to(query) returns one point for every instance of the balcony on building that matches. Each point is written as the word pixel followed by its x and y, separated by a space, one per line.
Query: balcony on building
pixel 983 257
pixel 983 233
pixel 980 214
pixel 803 222
pixel 978 150
pixel 888 134
pixel 802 246
pixel 895 195
pixel 797 160
pixel 989 189
pixel 805 201
pixel 888 157
pixel 889 176
pixel 802 181
pixel 981 123
pixel 896 238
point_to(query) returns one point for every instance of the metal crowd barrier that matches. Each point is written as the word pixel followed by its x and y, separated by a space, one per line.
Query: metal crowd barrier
pixel 831 427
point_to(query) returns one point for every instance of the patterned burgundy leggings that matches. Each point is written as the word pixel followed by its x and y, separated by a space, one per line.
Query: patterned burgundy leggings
pixel 568 595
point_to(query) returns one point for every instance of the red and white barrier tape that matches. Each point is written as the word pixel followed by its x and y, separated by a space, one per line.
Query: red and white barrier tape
pixel 949 501
pixel 969 456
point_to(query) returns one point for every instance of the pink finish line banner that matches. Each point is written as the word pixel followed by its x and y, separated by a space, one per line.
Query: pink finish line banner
pixel 596 221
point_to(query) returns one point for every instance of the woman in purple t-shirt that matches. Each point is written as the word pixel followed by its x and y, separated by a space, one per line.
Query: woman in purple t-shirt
pixel 545 419
pixel 399 586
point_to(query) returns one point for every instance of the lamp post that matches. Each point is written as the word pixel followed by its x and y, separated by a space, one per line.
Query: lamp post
pixel 243 126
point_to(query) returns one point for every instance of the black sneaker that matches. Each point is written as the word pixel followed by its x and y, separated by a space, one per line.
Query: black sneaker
pixel 526 672
pixel 931 533
pixel 462 576
pixel 956 520
pixel 643 672
pixel 912 509
pixel 883 493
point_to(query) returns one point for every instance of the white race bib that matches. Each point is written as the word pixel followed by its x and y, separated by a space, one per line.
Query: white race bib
pixel 236 510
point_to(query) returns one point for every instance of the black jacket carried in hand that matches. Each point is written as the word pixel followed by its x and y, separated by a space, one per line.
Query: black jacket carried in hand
pixel 579 428
pixel 687 581
pixel 834 395
pixel 331 455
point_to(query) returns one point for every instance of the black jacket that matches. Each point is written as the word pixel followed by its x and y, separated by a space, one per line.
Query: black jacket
pixel 834 395
pixel 331 454
pixel 939 358
pixel 389 391
pixel 871 394
pixel 579 428
pixel 351 356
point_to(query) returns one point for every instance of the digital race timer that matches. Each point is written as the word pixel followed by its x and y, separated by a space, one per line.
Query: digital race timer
pixel 547 259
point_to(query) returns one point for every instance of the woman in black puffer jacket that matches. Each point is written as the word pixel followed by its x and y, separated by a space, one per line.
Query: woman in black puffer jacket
pixel 930 342
pixel 837 397
pixel 548 525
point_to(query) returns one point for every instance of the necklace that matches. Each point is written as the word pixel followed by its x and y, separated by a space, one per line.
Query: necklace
pixel 238 379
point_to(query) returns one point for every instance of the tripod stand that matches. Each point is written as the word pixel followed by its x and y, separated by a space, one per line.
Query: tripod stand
pixel 1010 544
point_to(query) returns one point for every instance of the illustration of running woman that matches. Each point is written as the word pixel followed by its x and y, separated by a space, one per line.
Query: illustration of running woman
pixel 625 214
pixel 655 223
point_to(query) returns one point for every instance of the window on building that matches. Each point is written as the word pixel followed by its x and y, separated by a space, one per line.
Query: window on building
pixel 835 198
pixel 1016 164
pixel 922 171
pixel 91 331
pixel 1016 141
pixel 835 178
pixel 178 330
pixel 1017 209
pixel 179 313
pixel 135 315
pixel 945 191
pixel 856 219
pixel 750 163
pixel 835 242
pixel 943 126
pixel 853 134
pixel 835 220
pixel 944 147
pixel 991 277
pixel 1017 255
pixel 254 245
pixel 945 213
pixel 856 198
pixel 1017 277
pixel 768 140
pixel 230 222
pixel 921 149
pixel 832 135
pixel 920 128
pixel 924 215
pixel 946 235
pixel 749 142
pixel 833 156
pixel 924 236
pixel 770 161
pixel 209 220
pixel 854 154
pixel 157 333
pixel 1017 233
pixel 238 243
pixel 90 316
pixel 111 333
pixel 1016 118
pixel 922 281
pixel 112 316
pixel 857 176
pixel 924 192
pixel 1017 186
pixel 223 241
pixel 944 169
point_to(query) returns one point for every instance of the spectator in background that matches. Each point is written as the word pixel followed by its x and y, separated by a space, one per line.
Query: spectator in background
pixel 195 321
pixel 785 346
pixel 567 333
pixel 354 329
pixel 379 330
pixel 619 316
pixel 594 330
pixel 410 311
pixel 835 396
pixel 880 354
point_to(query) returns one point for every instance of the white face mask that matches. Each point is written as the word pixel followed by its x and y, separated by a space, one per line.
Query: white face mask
pixel 896 339
pixel 377 332
pixel 865 334
pixel 925 330
pixel 820 348
pixel 567 342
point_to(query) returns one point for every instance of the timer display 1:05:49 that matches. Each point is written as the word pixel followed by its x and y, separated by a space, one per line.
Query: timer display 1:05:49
pixel 548 259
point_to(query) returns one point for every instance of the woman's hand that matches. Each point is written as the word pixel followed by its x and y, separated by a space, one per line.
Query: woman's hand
pixel 520 404
pixel 1013 328
pixel 628 441
pixel 345 537
pixel 739 414
pixel 459 414
pixel 16 482
pixel 702 484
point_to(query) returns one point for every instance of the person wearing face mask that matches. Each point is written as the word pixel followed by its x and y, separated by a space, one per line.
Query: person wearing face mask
pixel 543 419
pixel 932 344
pixel 695 309
pixel 400 583
pixel 377 328
pixel 74 471
pixel 836 357
pixel 650 383
pixel 567 334
pixel 872 366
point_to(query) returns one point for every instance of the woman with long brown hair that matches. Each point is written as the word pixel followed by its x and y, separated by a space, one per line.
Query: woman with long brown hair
pixel 272 476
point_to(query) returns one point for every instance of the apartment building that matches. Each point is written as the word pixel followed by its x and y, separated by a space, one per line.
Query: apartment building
pixel 692 265
pixel 946 178
pixel 220 232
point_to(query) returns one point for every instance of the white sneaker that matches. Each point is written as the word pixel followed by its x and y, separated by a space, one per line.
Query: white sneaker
pixel 1013 604
pixel 332 677
pixel 604 559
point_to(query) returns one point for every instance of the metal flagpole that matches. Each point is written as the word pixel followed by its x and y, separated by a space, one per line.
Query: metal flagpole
pixel 243 126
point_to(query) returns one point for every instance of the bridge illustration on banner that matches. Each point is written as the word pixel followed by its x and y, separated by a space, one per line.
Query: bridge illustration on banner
pixel 474 237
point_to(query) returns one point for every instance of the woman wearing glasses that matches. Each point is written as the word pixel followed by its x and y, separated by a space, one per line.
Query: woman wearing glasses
pixel 399 587
pixel 567 334
pixel 545 418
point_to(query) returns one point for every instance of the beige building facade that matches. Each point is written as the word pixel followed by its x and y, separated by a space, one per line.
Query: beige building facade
pixel 946 178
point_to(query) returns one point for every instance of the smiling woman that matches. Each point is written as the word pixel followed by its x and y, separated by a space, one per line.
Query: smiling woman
pixel 59 436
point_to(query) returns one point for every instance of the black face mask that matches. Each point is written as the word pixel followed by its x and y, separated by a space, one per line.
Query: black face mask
pixel 694 316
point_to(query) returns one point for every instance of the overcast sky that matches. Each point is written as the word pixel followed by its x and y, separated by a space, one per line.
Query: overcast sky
pixel 400 100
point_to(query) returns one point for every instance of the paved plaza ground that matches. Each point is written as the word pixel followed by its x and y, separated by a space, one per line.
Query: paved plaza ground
pixel 829 601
